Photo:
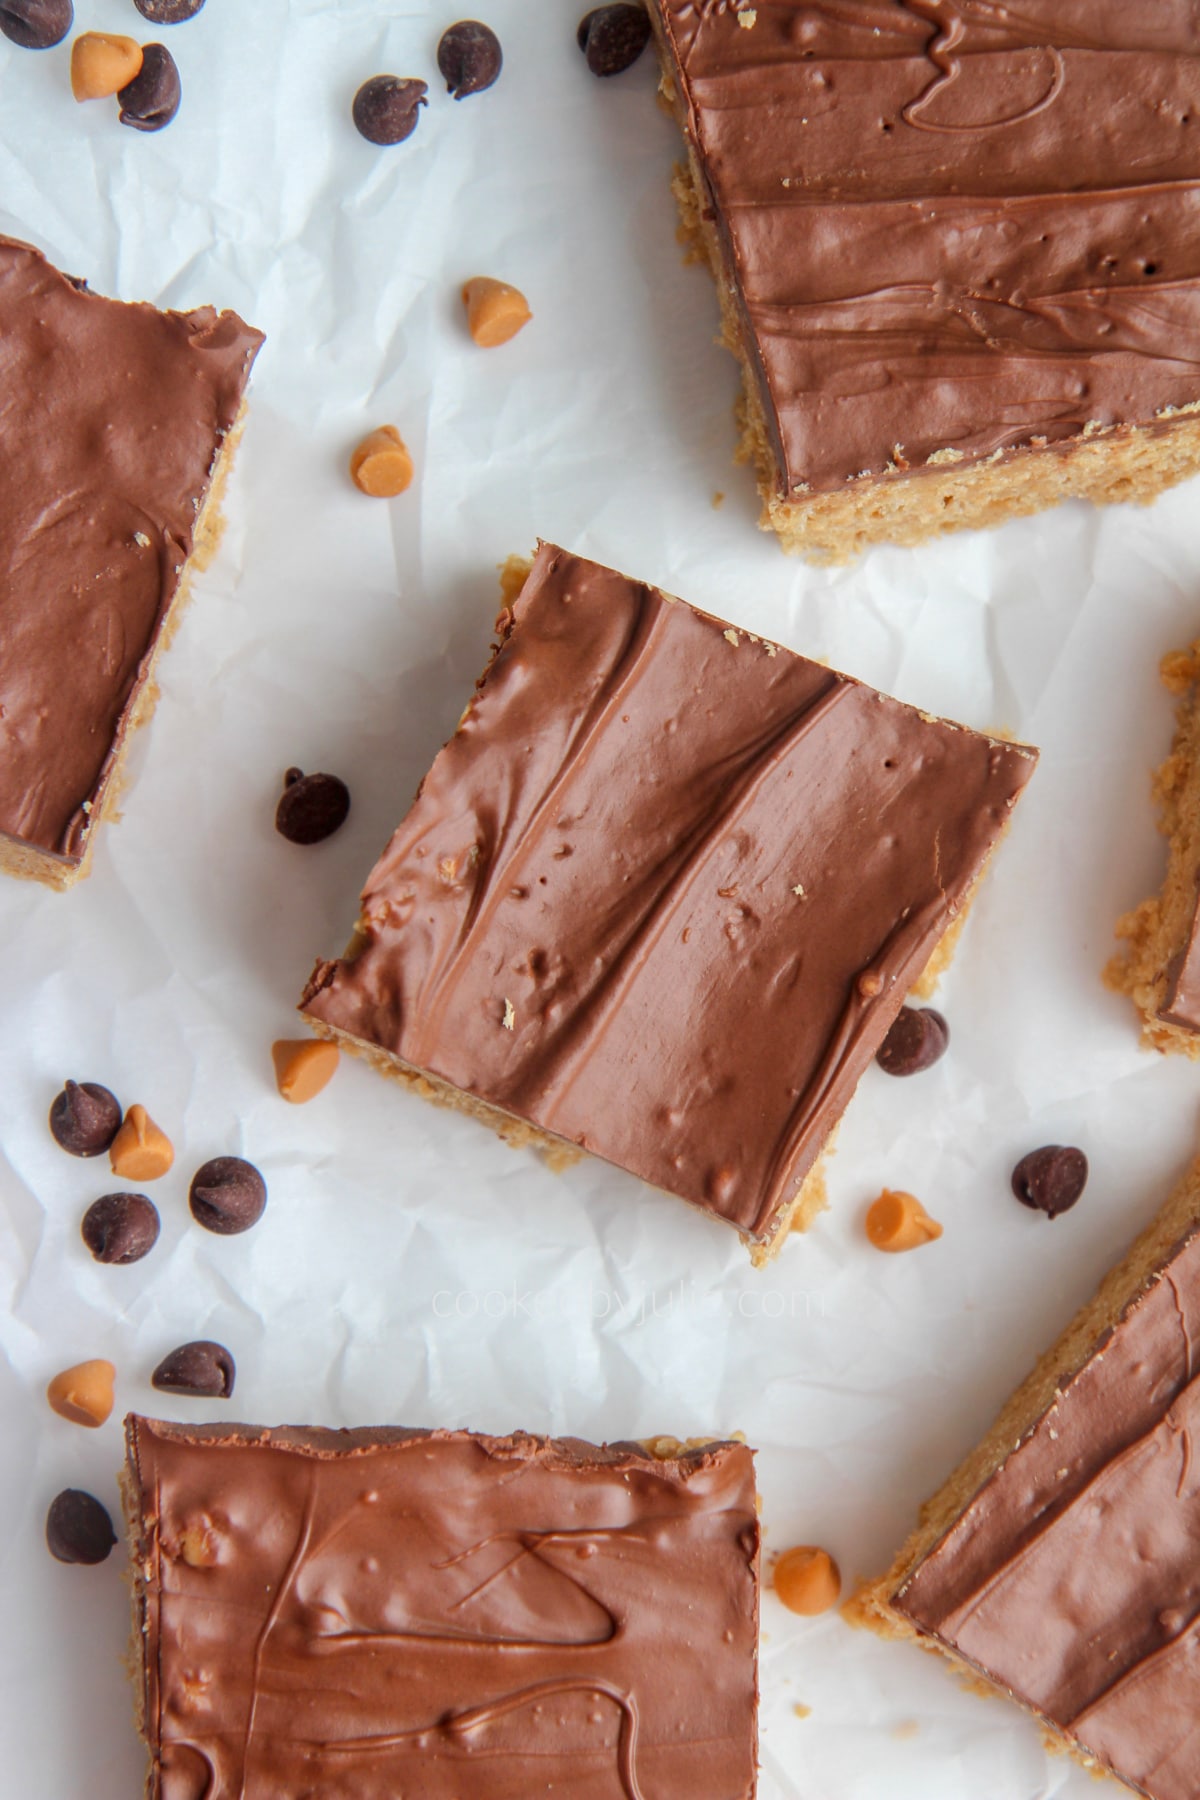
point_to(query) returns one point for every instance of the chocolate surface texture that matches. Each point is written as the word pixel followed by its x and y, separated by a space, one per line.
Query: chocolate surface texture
pixel 1182 999
pixel 368 1614
pixel 111 421
pixel 1073 1578
pixel 666 888
pixel 960 228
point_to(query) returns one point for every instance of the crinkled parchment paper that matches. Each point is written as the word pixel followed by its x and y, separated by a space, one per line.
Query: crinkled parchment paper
pixel 410 1268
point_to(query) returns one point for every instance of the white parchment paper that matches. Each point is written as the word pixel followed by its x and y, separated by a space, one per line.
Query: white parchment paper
pixel 410 1268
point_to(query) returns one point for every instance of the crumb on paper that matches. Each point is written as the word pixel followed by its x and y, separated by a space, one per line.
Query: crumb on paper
pixel 801 1711
pixel 510 1016
pixel 906 1730
pixel 731 637
pixel 718 499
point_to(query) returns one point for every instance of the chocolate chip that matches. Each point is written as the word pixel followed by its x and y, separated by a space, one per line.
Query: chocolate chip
pixel 120 1228
pixel 168 12
pixel 386 108
pixel 36 24
pixel 227 1195
pixel 613 37
pixel 469 57
pixel 150 101
pixel 202 1368
pixel 1051 1179
pixel 311 807
pixel 918 1039
pixel 85 1118
pixel 78 1528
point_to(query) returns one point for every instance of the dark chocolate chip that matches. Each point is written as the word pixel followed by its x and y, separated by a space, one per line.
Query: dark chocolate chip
pixel 121 1228
pixel 168 12
pixel 311 807
pixel 203 1368
pixel 1051 1179
pixel 150 101
pixel 387 107
pixel 227 1195
pixel 78 1528
pixel 918 1039
pixel 470 58
pixel 36 24
pixel 85 1118
pixel 613 37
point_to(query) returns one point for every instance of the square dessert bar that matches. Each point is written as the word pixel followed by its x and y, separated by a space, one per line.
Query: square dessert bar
pixel 957 249
pixel 1158 965
pixel 354 1613
pixel 1060 1561
pixel 663 893
pixel 117 426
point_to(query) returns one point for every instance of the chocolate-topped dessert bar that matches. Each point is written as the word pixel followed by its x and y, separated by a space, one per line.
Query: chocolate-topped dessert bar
pixel 1158 965
pixel 1060 1561
pixel 663 893
pixel 117 427
pixel 957 248
pixel 356 1613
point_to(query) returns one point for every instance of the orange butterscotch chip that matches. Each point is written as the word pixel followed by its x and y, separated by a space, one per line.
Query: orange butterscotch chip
pixel 303 1066
pixel 807 1580
pixel 899 1222
pixel 141 1150
pixel 84 1394
pixel 495 311
pixel 382 466
pixel 102 64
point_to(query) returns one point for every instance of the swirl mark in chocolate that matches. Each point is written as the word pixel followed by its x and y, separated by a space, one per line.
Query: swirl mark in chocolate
pixel 947 18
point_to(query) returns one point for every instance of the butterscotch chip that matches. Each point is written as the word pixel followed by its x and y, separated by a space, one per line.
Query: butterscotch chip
pixel 303 1066
pixel 899 1222
pixel 141 1150
pixel 102 64
pixel 495 311
pixel 84 1394
pixel 382 466
pixel 807 1580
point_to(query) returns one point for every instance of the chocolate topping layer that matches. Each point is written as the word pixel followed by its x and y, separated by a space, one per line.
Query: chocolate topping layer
pixel 1181 1003
pixel 371 1614
pixel 111 421
pixel 960 227
pixel 1073 1578
pixel 666 888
